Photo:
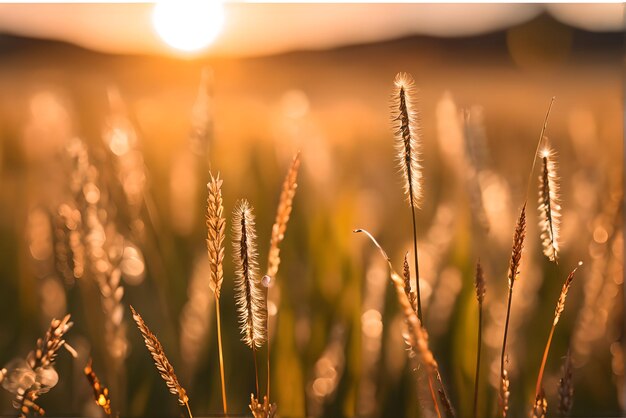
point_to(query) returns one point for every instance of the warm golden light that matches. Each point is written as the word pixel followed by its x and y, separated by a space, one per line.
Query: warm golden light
pixel 190 25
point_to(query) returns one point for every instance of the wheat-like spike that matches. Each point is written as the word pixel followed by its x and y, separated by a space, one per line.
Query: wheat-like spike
pixel 549 205
pixel 560 306
pixel 541 405
pixel 100 392
pixel 216 226
pixel 249 295
pixel 518 246
pixel 566 387
pixel 504 393
pixel 285 204
pixel 48 346
pixel 406 275
pixel 480 283
pixel 417 337
pixel 407 131
pixel 161 362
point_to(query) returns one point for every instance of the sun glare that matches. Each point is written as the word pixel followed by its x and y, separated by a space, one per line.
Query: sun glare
pixel 188 25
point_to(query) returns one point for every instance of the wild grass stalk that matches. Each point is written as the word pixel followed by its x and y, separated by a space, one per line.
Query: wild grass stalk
pixel 416 337
pixel 249 295
pixel 404 117
pixel 164 367
pixel 560 306
pixel 216 227
pixel 480 296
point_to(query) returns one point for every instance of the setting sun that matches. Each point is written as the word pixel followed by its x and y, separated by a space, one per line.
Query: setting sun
pixel 188 26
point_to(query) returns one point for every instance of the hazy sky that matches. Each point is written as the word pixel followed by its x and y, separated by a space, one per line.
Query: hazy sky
pixel 257 29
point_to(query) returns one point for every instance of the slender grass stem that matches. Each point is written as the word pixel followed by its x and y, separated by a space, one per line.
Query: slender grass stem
pixel 417 269
pixel 432 393
pixel 543 361
pixel 188 410
pixel 506 329
pixel 480 331
pixel 219 346
pixel 256 372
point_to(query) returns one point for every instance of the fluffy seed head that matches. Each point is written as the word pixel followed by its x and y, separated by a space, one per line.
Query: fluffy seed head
pixel 216 226
pixel 249 294
pixel 406 130
pixel 549 205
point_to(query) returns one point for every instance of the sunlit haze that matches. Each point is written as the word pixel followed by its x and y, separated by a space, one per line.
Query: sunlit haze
pixel 188 26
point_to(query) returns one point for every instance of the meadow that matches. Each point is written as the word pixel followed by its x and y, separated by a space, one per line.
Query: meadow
pixel 104 165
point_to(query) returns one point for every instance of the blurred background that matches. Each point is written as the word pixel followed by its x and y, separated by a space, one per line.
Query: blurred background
pixel 111 117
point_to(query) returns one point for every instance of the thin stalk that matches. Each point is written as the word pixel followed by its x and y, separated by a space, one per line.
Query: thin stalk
pixel 219 346
pixel 543 130
pixel 268 368
pixel 480 331
pixel 506 329
pixel 543 361
pixel 432 393
pixel 417 269
pixel 188 409
pixel 256 372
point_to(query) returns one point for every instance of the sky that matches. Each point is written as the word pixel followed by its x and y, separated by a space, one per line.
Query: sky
pixel 253 29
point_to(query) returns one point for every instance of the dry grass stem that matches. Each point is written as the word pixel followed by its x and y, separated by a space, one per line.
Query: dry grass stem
pixel 216 227
pixel 416 337
pixel 100 392
pixel 480 296
pixel 404 117
pixel 549 205
pixel 161 362
pixel 560 306
pixel 285 204
pixel 249 295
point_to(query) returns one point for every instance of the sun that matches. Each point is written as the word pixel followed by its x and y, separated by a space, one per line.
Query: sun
pixel 188 25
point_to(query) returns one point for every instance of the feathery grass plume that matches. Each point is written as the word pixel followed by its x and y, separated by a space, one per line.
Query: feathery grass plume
pixel 31 378
pixel 541 406
pixel 248 291
pixel 100 392
pixel 249 294
pixel 549 205
pixel 516 257
pixel 404 117
pixel 406 275
pixel 566 387
pixel 283 212
pixel 164 367
pixel 560 306
pixel 216 226
pixel 416 337
pixel 480 296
